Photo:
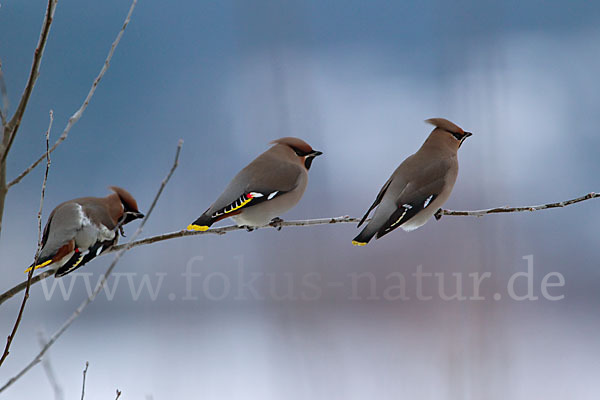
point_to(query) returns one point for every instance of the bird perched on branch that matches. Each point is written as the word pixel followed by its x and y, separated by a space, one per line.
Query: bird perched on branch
pixel 80 229
pixel 267 187
pixel 419 186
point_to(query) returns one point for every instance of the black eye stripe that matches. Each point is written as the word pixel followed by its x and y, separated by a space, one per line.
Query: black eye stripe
pixel 457 135
pixel 300 153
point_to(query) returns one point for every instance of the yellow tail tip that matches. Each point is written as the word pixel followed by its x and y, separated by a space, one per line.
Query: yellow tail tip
pixel 192 227
pixel 355 243
pixel 38 266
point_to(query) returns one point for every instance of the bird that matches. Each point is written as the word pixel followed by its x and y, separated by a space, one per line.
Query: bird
pixel 419 186
pixel 80 229
pixel 267 187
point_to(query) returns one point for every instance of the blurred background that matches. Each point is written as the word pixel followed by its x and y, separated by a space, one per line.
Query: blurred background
pixel 300 313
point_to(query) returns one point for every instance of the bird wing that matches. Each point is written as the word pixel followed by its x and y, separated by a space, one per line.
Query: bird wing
pixel 47 228
pixel 376 202
pixel 79 259
pixel 417 194
pixel 64 224
pixel 249 189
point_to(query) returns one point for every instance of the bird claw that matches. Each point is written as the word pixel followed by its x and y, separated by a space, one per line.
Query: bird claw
pixel 276 223
pixel 438 214
pixel 121 231
pixel 248 228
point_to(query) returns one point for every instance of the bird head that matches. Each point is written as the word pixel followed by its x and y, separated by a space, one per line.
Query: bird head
pixel 130 207
pixel 451 131
pixel 303 151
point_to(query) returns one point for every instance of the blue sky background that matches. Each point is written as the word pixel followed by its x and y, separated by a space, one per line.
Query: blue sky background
pixel 356 80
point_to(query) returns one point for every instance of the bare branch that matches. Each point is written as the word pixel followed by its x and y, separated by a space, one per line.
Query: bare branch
pixel 13 126
pixel 309 222
pixel 87 364
pixel 118 394
pixel 231 228
pixel 58 391
pixel 77 115
pixel 39 248
pixel 23 285
pixel 347 219
pixel 506 209
pixel 109 270
pixel 4 94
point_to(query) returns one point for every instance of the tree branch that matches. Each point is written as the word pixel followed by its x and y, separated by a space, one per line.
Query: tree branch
pixel 231 228
pixel 13 126
pixel 21 286
pixel 77 115
pixel 39 248
pixel 506 209
pixel 58 391
pixel 87 364
pixel 4 94
pixel 109 270
pixel 309 222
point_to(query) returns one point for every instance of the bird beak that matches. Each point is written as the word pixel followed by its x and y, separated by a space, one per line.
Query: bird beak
pixel 467 134
pixel 315 153
pixel 136 215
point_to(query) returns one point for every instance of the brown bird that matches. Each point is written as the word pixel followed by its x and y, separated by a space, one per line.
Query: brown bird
pixel 80 229
pixel 267 187
pixel 419 186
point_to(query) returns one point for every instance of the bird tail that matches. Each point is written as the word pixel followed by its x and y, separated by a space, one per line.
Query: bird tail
pixel 202 223
pixel 364 236
pixel 40 265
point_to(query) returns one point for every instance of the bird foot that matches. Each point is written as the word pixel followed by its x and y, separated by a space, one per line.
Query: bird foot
pixel 121 231
pixel 248 228
pixel 276 223
pixel 438 214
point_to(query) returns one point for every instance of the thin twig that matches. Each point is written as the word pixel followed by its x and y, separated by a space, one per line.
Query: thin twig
pixel 231 228
pixel 58 391
pixel 23 285
pixel 87 364
pixel 13 125
pixel 109 270
pixel 77 115
pixel 39 248
pixel 4 94
pixel 346 219
pixel 506 209
pixel 118 394
pixel 172 235
pixel 309 222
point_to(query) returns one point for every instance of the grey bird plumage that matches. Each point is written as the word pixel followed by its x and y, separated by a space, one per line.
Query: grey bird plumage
pixel 267 187
pixel 80 229
pixel 419 186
